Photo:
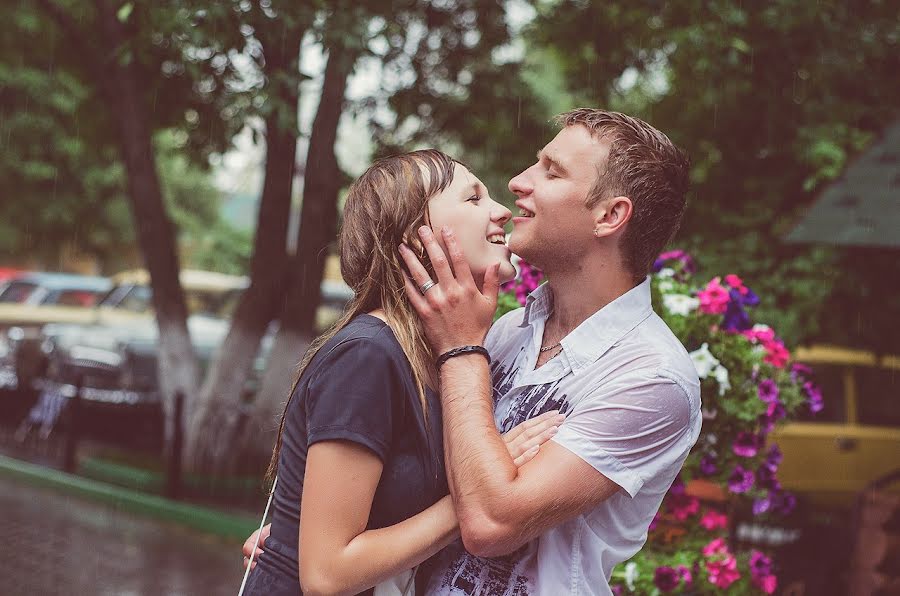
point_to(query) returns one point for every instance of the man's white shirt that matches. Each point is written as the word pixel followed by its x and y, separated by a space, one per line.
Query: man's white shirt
pixel 632 402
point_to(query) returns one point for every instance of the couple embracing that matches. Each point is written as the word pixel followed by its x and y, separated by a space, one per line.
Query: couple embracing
pixel 436 453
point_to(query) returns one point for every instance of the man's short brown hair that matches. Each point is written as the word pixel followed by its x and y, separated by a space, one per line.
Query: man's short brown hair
pixel 645 166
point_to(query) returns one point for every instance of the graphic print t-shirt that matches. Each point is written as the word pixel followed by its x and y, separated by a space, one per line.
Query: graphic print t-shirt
pixel 632 403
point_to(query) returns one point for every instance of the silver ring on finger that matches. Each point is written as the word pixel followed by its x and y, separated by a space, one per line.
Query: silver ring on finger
pixel 427 286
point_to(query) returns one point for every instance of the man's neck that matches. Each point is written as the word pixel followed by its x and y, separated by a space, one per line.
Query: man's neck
pixel 579 293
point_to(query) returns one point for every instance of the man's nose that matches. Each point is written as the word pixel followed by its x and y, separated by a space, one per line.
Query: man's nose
pixel 521 184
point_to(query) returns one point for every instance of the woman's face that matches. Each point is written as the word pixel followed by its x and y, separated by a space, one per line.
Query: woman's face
pixel 477 222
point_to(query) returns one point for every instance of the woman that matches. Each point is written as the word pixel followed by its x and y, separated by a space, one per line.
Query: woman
pixel 360 436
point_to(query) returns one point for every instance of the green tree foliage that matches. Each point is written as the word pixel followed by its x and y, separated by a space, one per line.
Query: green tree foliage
pixel 770 100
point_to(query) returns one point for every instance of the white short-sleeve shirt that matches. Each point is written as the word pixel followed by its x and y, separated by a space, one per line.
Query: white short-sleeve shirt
pixel 632 400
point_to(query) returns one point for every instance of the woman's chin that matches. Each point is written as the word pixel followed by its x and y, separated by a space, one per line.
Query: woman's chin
pixel 507 272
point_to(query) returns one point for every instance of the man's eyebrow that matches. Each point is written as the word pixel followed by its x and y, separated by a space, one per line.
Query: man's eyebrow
pixel 541 155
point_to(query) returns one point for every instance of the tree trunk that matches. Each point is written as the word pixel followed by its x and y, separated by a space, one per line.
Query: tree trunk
pixel 178 369
pixel 218 412
pixel 318 222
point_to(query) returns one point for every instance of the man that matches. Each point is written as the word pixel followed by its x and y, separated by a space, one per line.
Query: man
pixel 605 196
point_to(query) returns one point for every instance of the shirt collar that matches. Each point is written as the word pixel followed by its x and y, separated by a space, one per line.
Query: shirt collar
pixel 599 332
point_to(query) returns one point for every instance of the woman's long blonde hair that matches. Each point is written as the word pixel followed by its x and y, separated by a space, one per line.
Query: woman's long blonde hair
pixel 384 207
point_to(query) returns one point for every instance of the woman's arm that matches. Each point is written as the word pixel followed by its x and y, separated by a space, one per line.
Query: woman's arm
pixel 337 554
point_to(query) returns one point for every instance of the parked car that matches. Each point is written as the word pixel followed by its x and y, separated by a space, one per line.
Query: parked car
pixel 115 359
pixel 65 289
pixel 831 456
pixel 113 355
pixel 24 328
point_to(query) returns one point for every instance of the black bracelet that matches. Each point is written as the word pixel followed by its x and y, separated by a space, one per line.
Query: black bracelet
pixel 461 351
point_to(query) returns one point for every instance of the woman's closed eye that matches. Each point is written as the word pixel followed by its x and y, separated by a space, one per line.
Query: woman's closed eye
pixel 473 198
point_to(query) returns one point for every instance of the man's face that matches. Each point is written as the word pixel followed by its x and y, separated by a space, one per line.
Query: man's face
pixel 553 225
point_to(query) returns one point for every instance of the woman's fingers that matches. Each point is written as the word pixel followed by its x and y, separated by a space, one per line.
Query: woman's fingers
pixel 527 456
pixel 532 433
pixel 529 425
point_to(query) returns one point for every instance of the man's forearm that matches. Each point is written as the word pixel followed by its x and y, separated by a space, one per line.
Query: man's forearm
pixel 479 467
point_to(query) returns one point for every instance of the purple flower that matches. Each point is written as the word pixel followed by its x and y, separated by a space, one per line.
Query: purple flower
pixel 666 578
pixel 762 505
pixel 741 480
pixel 765 477
pixel 800 371
pixel 768 391
pixel 773 458
pixel 685 574
pixel 688 265
pixel 735 317
pixel 708 465
pixel 786 502
pixel 746 444
pixel 814 396
pixel 760 564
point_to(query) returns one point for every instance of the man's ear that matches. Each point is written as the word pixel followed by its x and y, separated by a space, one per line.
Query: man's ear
pixel 611 215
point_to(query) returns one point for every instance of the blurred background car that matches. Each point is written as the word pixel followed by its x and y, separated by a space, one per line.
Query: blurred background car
pixel 65 289
pixel 833 455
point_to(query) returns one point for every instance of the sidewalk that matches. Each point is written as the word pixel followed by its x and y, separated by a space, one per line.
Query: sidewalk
pixel 54 543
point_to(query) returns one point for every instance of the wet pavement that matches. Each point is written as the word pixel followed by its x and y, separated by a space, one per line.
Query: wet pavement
pixel 53 543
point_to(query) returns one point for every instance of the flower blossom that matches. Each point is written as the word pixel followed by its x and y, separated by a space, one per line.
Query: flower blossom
pixel 708 465
pixel 814 397
pixel 680 304
pixel 768 391
pixel 712 520
pixel 681 506
pixel 746 444
pixel 714 298
pixel 741 480
pixel 666 579
pixel 704 361
pixel 631 574
pixel 716 547
pixel 723 573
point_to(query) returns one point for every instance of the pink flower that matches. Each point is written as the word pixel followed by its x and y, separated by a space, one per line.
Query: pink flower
pixel 766 583
pixel 716 547
pixel 714 298
pixel 713 519
pixel 723 573
pixel 737 283
pixel 760 334
pixel 682 506
pixel 776 354
pixel 685 574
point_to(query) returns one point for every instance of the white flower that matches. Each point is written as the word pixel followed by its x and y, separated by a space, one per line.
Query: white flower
pixel 666 272
pixel 665 285
pixel 680 304
pixel 704 361
pixel 631 574
pixel 721 375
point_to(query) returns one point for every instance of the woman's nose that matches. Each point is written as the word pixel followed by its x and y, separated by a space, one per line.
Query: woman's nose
pixel 500 213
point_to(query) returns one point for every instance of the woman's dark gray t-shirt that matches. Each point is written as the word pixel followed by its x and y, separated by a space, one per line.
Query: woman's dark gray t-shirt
pixel 359 387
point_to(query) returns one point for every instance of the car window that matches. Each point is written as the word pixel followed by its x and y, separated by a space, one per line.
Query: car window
pixel 878 396
pixel 137 300
pixel 17 291
pixel 830 379
pixel 75 298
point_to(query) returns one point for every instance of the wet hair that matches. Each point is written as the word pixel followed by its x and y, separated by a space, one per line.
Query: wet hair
pixel 384 208
pixel 645 166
